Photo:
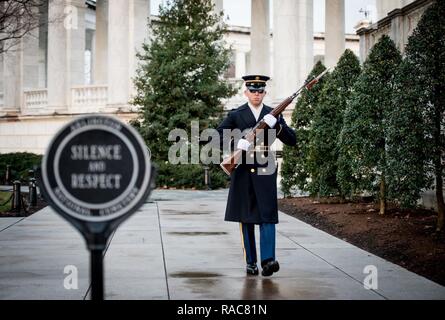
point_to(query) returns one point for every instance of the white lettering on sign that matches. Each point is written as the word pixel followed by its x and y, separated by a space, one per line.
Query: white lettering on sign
pixel 78 209
pixel 121 204
pixel 96 152
pixel 96 121
pixel 97 166
pixel 96 181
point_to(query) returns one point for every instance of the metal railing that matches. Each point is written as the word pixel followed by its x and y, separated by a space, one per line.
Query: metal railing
pixel 18 200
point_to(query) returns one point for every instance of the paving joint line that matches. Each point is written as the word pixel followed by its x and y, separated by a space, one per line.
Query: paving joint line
pixel 342 271
pixel 163 251
pixel 11 225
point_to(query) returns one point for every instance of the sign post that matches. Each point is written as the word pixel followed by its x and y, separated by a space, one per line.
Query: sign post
pixel 95 173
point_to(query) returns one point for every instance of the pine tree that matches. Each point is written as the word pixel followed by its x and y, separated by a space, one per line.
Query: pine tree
pixel 362 140
pixel 295 168
pixel 327 124
pixel 179 80
pixel 179 77
pixel 425 56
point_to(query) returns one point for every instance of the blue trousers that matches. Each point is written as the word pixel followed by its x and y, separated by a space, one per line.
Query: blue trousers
pixel 267 242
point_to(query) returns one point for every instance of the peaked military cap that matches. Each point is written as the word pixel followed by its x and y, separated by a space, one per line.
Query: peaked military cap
pixel 256 82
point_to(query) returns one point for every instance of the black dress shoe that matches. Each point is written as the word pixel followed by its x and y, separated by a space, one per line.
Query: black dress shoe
pixel 252 270
pixel 269 268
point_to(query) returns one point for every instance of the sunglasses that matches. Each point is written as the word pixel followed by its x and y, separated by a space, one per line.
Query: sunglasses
pixel 256 90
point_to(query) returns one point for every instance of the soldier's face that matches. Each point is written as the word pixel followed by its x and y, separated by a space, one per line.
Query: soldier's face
pixel 255 97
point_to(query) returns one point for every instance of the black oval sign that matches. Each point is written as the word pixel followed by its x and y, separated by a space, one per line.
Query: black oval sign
pixel 96 169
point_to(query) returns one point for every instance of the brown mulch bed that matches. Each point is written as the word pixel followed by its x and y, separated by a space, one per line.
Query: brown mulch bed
pixel 404 237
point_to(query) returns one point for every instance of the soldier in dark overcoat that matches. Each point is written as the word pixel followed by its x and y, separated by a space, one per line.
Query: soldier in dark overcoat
pixel 252 196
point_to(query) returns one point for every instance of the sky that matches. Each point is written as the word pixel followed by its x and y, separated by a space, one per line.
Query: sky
pixel 238 12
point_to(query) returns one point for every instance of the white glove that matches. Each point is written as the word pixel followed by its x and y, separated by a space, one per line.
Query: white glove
pixel 270 120
pixel 243 145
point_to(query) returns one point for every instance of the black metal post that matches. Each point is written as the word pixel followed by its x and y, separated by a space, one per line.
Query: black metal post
pixel 207 177
pixel 16 203
pixel 209 180
pixel 32 192
pixel 8 175
pixel 97 277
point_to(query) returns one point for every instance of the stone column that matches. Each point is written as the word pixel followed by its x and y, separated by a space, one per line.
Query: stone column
pixel 139 28
pixel 118 53
pixel 218 5
pixel 405 2
pixel 260 38
pixel 101 43
pixel 12 77
pixel 66 50
pixel 293 37
pixel 380 7
pixel 127 30
pixel 76 43
pixel 31 59
pixel 1 78
pixel 43 46
pixel 386 6
pixel 335 31
pixel 20 67
pixel 240 64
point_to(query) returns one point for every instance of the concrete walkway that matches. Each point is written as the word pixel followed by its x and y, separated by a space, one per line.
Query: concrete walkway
pixel 178 247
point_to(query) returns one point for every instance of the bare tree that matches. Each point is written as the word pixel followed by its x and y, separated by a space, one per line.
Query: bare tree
pixel 17 18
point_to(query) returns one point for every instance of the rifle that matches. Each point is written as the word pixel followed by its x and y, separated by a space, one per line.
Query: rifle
pixel 232 162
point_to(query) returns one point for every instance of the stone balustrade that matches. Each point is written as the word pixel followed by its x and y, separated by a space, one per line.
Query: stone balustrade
pixel 83 99
pixel 87 98
pixel 35 100
pixel 94 98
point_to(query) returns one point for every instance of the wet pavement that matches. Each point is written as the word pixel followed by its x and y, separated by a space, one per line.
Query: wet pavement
pixel 178 247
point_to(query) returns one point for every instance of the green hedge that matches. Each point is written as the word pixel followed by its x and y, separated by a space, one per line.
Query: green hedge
pixel 168 175
pixel 189 176
pixel 20 163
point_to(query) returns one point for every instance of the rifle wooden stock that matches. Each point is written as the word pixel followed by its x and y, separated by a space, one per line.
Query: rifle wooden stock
pixel 231 163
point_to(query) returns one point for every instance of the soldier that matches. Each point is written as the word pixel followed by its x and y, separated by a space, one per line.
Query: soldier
pixel 252 197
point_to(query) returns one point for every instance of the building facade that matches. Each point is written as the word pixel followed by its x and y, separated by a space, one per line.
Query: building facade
pixel 397 19
pixel 83 58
